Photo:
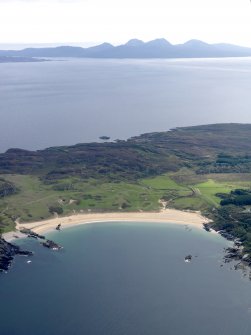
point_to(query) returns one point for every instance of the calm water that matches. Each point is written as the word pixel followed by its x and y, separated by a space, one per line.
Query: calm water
pixel 128 279
pixel 66 102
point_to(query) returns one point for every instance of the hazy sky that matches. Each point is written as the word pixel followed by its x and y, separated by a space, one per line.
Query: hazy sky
pixel 116 21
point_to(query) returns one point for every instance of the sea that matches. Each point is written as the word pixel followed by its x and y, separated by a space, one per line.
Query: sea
pixel 69 101
pixel 126 279
pixel 122 278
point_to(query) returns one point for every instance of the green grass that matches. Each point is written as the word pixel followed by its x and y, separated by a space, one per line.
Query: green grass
pixel 177 195
pixel 190 203
pixel 163 182
pixel 73 194
pixel 34 198
pixel 120 196
pixel 189 194
pixel 243 179
pixel 32 201
pixel 210 188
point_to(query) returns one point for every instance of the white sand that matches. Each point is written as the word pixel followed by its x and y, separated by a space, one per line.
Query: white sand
pixel 194 219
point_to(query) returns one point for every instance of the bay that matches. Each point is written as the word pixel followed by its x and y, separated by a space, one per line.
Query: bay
pixel 126 278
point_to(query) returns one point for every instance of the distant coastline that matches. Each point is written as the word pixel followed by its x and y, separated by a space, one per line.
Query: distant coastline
pixel 17 59
pixel 158 48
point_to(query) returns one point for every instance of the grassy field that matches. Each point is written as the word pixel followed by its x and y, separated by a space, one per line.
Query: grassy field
pixel 191 193
pixel 164 182
pixel 210 188
pixel 36 200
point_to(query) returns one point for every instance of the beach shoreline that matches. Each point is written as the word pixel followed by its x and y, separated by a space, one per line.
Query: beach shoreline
pixel 193 219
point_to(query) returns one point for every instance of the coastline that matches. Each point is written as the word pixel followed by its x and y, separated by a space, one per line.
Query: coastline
pixel 194 219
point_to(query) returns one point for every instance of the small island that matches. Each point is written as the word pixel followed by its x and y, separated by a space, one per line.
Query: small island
pixel 104 138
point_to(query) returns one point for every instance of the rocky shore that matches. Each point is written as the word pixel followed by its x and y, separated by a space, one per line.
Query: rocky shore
pixel 7 253
pixel 234 253
pixel 8 250
pixel 46 243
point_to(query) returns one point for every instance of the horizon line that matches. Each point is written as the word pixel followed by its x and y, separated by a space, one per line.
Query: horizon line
pixel 93 44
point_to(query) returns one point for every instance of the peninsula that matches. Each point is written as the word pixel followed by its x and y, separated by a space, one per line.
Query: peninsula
pixel 152 177
pixel 18 59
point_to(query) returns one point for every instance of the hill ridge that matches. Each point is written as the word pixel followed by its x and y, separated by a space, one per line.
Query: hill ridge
pixel 134 48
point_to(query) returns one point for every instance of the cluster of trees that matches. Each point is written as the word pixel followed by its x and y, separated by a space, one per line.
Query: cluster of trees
pixel 205 149
pixel 113 161
pixel 225 159
pixel 56 209
pixel 6 188
pixel 237 197
pixel 225 163
pixel 234 216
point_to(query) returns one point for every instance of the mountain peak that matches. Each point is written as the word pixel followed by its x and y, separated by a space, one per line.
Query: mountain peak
pixel 159 42
pixel 102 46
pixel 195 42
pixel 107 45
pixel 134 42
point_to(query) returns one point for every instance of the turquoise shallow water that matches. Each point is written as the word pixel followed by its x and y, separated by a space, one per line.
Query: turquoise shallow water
pixel 126 278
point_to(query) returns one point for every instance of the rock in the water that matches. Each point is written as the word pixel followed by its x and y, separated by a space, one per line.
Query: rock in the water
pixel 58 226
pixel 227 235
pixel 188 258
pixel 51 245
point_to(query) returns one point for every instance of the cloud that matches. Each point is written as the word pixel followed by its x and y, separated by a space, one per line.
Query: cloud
pixel 45 1
pixel 49 21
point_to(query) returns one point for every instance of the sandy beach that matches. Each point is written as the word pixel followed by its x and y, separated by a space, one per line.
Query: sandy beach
pixel 194 219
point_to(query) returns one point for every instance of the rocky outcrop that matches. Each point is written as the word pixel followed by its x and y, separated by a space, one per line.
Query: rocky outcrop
pixel 31 233
pixel 233 253
pixel 51 245
pixel 8 250
pixel 58 226
pixel 188 258
pixel 47 243
pixel 226 235
pixel 7 253
pixel 206 227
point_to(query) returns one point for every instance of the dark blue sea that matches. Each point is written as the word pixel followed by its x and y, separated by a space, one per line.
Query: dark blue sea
pixel 64 102
pixel 126 279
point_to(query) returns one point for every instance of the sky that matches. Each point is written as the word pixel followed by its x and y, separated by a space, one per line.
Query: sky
pixel 117 21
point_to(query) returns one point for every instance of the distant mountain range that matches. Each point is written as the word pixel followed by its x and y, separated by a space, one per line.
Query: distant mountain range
pixel 159 48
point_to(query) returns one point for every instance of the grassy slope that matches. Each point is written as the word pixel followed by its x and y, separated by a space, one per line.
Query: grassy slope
pixel 187 163
pixel 34 198
pixel 197 196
